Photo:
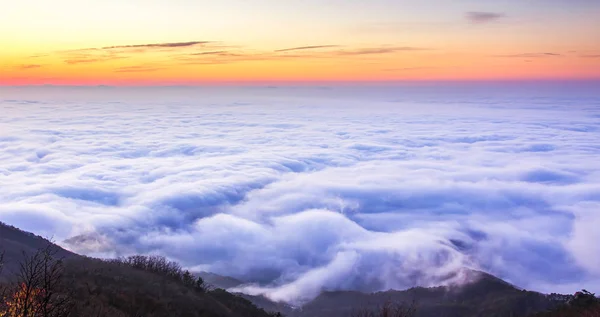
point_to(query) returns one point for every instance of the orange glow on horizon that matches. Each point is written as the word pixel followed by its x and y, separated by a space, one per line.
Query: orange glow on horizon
pixel 114 43
pixel 400 67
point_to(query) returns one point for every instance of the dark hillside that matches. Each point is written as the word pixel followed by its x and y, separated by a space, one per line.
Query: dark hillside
pixel 582 304
pixel 269 305
pixel 15 242
pixel 113 288
pixel 488 296
pixel 109 289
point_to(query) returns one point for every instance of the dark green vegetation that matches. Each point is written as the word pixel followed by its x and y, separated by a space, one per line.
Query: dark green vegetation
pixel 39 279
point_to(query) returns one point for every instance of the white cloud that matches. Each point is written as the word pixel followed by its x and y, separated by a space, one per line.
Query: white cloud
pixel 301 189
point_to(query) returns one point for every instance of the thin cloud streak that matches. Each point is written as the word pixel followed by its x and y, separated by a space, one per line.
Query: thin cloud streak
pixel 210 53
pixel 29 66
pixel 159 45
pixel 221 54
pixel 479 17
pixel 407 69
pixel 227 57
pixel 530 55
pixel 138 46
pixel 301 48
pixel 137 69
pixel 92 59
pixel 378 50
pixel 39 56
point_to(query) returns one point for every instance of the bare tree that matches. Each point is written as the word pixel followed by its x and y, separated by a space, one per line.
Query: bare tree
pixel 2 288
pixel 55 299
pixel 40 289
pixel 24 299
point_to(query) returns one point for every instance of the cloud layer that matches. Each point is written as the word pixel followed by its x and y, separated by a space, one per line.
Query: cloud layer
pixel 303 189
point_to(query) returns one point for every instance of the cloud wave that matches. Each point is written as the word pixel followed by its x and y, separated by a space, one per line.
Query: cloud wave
pixel 303 189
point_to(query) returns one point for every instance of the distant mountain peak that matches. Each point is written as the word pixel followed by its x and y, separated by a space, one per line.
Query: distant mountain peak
pixel 220 281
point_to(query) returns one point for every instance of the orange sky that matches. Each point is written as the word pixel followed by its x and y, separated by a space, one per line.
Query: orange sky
pixel 185 42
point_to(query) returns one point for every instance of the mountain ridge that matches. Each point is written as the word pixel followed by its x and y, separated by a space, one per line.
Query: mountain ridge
pixel 97 282
pixel 483 293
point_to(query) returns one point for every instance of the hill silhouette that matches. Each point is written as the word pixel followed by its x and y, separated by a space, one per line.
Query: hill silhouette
pixel 16 243
pixel 486 296
pixel 482 294
pixel 220 281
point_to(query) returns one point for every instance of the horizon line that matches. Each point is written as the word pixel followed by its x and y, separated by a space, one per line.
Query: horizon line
pixel 309 83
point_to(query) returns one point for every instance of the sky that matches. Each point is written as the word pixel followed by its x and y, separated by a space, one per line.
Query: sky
pixel 301 189
pixel 158 42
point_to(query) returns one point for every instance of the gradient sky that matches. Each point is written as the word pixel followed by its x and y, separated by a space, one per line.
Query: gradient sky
pixel 199 41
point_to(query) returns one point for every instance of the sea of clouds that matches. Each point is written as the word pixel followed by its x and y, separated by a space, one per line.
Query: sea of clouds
pixel 300 189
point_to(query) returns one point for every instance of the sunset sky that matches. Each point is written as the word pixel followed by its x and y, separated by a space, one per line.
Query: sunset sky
pixel 133 42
